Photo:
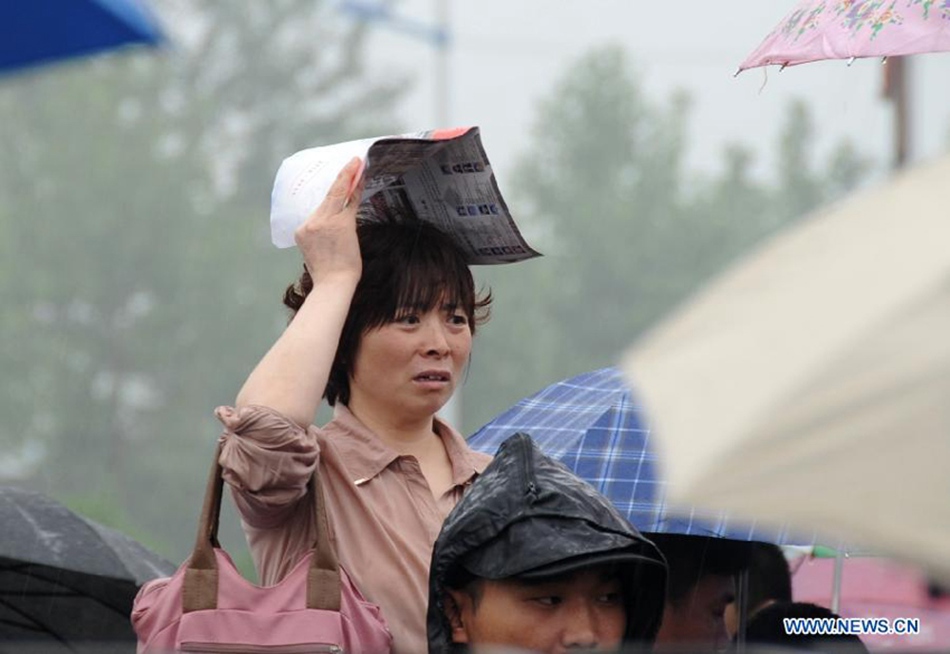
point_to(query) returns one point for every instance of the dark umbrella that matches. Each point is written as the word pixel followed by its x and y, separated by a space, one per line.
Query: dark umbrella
pixel 41 31
pixel 65 579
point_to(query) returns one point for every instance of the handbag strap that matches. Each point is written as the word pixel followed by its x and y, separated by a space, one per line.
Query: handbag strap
pixel 200 590
pixel 323 580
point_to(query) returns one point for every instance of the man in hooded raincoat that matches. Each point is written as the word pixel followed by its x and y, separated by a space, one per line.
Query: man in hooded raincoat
pixel 535 559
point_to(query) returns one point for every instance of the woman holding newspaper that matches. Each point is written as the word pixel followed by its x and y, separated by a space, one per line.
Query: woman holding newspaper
pixel 382 326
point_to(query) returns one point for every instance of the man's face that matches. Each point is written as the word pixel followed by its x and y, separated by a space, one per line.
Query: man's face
pixel 581 610
pixel 698 618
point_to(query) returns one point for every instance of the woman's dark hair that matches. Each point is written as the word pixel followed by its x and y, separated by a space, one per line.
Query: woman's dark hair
pixel 410 264
pixel 690 558
pixel 769 576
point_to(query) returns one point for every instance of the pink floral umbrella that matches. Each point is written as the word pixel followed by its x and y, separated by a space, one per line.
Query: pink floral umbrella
pixel 846 29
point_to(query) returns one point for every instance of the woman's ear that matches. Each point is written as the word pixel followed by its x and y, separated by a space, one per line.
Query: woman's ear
pixel 458 604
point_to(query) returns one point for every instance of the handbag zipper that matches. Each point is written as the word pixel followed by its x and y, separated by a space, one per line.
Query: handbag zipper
pixel 235 648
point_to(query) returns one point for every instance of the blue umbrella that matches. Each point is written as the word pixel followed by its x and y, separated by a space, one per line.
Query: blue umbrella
pixel 593 424
pixel 34 32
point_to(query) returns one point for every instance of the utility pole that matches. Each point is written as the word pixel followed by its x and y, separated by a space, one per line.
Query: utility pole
pixel 442 96
pixel 897 90
pixel 438 35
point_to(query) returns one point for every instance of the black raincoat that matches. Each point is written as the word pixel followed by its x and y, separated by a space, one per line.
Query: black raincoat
pixel 528 515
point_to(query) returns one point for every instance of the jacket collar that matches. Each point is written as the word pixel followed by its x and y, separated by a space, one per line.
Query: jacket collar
pixel 365 455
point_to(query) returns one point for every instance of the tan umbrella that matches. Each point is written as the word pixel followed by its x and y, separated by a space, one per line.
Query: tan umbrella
pixel 810 383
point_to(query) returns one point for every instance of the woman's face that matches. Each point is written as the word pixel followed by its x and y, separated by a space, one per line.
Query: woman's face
pixel 408 368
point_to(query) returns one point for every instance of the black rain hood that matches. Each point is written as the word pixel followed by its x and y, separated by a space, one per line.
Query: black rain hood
pixel 528 516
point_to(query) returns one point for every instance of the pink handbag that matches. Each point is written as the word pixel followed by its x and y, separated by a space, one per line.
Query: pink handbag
pixel 207 606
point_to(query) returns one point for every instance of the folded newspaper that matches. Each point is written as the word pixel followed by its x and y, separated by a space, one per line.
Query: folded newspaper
pixel 439 176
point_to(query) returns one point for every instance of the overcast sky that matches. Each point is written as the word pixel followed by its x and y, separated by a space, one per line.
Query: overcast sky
pixel 507 54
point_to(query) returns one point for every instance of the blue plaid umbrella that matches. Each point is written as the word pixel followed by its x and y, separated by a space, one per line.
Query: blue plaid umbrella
pixel 593 424
pixel 41 31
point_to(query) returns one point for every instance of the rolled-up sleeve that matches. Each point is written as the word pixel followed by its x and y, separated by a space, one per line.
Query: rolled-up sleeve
pixel 267 460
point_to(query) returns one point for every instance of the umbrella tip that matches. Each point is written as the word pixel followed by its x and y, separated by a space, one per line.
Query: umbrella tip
pixel 851 61
pixel 738 70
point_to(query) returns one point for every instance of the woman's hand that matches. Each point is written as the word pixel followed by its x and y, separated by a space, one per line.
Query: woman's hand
pixel 327 239
pixel 292 376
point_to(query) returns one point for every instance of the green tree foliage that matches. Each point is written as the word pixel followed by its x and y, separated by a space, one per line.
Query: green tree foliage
pixel 138 281
pixel 626 230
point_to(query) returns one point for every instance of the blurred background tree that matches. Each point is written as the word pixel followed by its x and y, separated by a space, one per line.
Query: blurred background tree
pixel 140 286
pixel 139 283
pixel 627 232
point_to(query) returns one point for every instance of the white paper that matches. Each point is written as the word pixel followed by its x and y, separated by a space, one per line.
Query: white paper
pixel 442 177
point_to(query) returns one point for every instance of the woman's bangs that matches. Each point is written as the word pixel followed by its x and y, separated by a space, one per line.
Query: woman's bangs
pixel 428 285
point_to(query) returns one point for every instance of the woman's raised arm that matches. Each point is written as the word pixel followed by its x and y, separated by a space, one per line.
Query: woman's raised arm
pixel 293 374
